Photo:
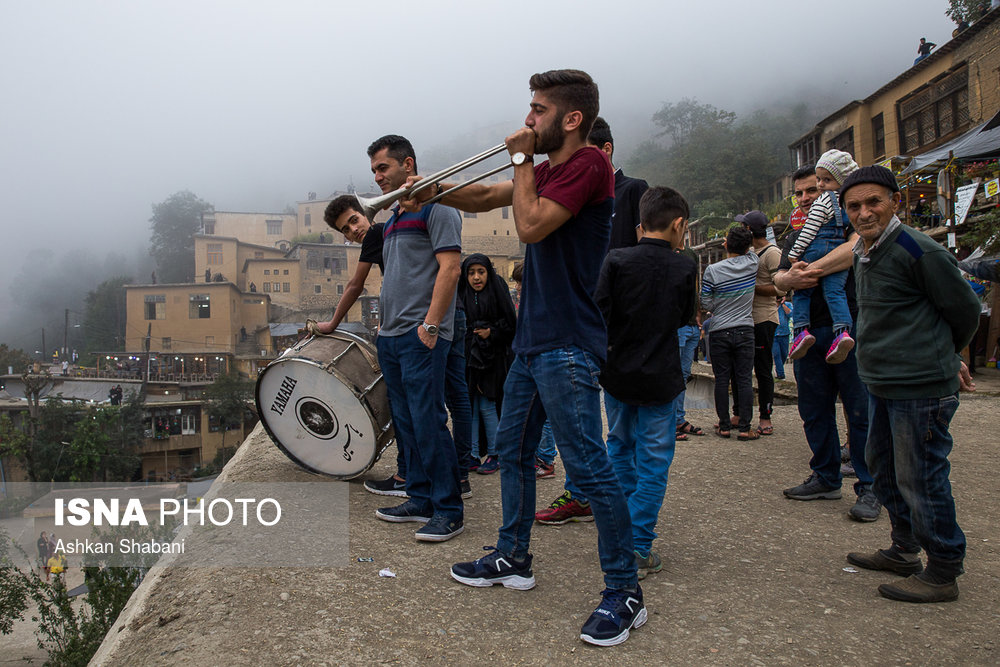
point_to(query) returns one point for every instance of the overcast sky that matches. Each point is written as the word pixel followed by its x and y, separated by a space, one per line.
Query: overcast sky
pixel 108 107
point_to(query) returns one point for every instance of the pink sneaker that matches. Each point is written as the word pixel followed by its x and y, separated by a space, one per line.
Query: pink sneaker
pixel 801 344
pixel 841 347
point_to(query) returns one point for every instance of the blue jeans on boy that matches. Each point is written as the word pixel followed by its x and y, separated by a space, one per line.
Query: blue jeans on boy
pixel 547 445
pixel 415 379
pixel 641 442
pixel 780 352
pixel 907 452
pixel 688 337
pixel 827 238
pixel 819 383
pixel 456 397
pixel 484 411
pixel 561 384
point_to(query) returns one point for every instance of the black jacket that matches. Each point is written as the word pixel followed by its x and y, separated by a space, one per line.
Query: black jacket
pixel 645 294
pixel 487 360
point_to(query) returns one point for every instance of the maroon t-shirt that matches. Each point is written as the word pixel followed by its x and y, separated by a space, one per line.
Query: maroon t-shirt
pixel 560 271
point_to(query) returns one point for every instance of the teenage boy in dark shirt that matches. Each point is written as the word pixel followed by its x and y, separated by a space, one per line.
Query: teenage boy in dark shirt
pixel 645 293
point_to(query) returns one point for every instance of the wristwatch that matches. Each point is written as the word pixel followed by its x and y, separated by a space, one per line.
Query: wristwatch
pixel 520 158
pixel 431 329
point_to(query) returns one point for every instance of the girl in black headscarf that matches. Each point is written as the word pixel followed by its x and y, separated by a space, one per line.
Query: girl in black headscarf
pixel 490 318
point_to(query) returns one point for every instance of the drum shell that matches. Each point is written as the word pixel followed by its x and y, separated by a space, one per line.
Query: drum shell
pixel 337 374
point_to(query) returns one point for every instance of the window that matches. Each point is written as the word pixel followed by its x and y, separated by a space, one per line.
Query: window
pixel 209 226
pixel 340 289
pixel 155 306
pixel 308 219
pixel 214 253
pixel 277 287
pixel 274 227
pixel 505 212
pixel 286 287
pixel 934 112
pixel 317 289
pixel 258 254
pixel 267 287
pixel 209 341
pixel 286 272
pixel 267 272
pixel 189 423
pixel 878 135
pixel 166 343
pixel 843 141
pixel 198 307
pixel 469 215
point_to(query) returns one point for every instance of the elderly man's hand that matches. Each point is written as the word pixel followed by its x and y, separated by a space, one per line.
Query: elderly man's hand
pixel 799 276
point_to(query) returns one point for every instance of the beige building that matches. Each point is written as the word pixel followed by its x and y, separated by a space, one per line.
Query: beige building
pixel 271 230
pixel 932 102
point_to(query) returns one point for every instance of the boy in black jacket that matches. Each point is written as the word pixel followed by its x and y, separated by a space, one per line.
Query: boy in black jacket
pixel 645 293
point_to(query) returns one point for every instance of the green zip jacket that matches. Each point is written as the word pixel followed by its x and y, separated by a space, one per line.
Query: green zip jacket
pixel 915 313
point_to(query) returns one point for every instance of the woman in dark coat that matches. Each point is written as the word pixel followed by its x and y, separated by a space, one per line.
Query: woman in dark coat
pixel 490 318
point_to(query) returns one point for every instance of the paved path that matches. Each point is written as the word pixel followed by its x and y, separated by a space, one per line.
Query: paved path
pixel 750 578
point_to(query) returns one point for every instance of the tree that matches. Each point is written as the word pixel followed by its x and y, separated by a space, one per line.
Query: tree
pixel 968 11
pixel 229 397
pixel 174 224
pixel 104 320
pixel 13 358
pixel 719 163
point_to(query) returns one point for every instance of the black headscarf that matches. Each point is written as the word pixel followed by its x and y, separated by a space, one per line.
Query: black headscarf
pixel 487 360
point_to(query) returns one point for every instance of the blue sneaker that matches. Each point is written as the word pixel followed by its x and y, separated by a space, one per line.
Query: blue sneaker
pixel 408 511
pixel 619 612
pixel 496 568
pixel 440 529
pixel 489 466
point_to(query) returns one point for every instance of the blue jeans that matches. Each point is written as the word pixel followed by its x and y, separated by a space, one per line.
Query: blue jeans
pixel 687 337
pixel 641 442
pixel 484 411
pixel 732 356
pixel 908 447
pixel 780 352
pixel 456 397
pixel 562 385
pixel 833 285
pixel 547 445
pixel 414 377
pixel 819 384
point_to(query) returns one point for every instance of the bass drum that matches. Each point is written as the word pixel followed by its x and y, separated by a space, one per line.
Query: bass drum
pixel 325 405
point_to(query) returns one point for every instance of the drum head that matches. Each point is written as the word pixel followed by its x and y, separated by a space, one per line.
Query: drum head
pixel 315 418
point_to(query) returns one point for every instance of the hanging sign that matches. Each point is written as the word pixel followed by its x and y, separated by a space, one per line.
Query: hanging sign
pixel 992 187
pixel 963 200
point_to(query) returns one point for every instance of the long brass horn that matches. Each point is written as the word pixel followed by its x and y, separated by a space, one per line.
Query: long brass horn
pixel 372 205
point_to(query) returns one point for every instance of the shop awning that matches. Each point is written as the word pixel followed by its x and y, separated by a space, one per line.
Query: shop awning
pixel 980 142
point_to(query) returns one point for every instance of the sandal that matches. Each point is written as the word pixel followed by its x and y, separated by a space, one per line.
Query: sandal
pixel 719 432
pixel 765 430
pixel 748 435
pixel 687 428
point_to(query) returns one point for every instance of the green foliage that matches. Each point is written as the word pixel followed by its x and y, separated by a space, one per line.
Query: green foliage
pixel 104 319
pixel 229 398
pixel 13 591
pixel 983 230
pixel 14 357
pixel 174 223
pixel 969 11
pixel 718 162
pixel 314 237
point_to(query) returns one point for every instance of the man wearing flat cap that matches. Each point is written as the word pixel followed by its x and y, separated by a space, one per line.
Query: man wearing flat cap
pixel 915 313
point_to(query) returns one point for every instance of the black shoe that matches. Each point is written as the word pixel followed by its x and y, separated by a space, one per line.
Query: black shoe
pixel 466 488
pixel 867 508
pixel 496 568
pixel 386 487
pixel 408 511
pixel 880 560
pixel 619 612
pixel 813 489
pixel 440 529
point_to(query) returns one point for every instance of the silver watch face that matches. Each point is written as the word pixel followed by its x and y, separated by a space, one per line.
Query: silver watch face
pixel 518 158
